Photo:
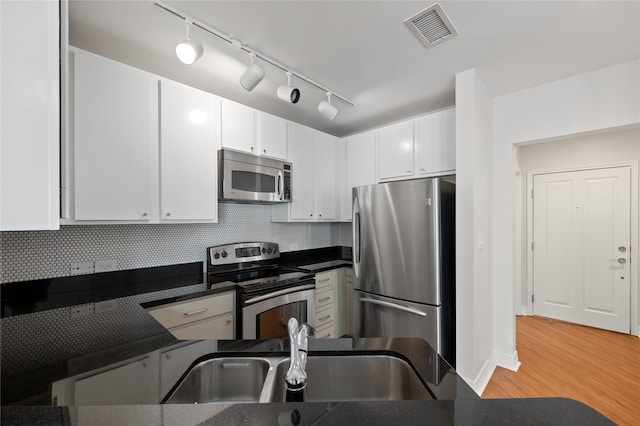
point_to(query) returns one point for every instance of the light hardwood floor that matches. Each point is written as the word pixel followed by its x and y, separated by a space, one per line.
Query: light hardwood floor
pixel 597 367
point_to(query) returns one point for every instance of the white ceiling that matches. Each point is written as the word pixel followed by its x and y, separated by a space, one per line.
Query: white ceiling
pixel 362 49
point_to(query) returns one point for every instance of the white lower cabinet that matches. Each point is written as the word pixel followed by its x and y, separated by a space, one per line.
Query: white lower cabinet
pixel 330 304
pixel 348 301
pixel 207 317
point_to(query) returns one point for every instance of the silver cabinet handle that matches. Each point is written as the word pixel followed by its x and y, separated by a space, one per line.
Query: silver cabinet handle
pixel 199 311
pixel 394 306
pixel 324 318
pixel 620 260
pixel 324 299
pixel 324 280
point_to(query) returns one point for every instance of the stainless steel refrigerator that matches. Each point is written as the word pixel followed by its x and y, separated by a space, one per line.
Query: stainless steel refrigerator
pixel 404 261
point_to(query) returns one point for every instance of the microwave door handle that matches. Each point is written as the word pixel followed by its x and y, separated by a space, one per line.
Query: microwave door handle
pixel 280 186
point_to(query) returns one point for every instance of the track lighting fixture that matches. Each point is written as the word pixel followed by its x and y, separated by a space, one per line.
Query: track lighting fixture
pixel 189 51
pixel 288 93
pixel 252 76
pixel 327 109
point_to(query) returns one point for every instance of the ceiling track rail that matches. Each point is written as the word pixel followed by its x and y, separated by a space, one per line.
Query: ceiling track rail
pixel 229 39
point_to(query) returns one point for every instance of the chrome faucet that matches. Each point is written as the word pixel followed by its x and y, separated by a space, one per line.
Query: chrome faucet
pixel 296 377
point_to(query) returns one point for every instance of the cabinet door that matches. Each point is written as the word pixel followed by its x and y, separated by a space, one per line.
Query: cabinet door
pixel 238 126
pixel 396 151
pixel 115 114
pixel 272 135
pixel 436 142
pixel 361 166
pixel 301 157
pixel 132 383
pixel 30 116
pixel 189 141
pixel 324 180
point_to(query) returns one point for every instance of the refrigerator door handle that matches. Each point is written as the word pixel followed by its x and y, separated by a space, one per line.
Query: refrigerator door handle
pixel 394 306
pixel 356 238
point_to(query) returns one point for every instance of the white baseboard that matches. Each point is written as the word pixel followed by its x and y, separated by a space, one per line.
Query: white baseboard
pixel 524 311
pixel 506 360
pixel 480 382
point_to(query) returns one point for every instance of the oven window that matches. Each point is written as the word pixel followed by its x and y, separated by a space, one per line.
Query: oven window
pixel 272 324
pixel 252 181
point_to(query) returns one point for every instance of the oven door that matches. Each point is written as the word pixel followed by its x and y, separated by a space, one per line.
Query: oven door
pixel 266 316
pixel 252 182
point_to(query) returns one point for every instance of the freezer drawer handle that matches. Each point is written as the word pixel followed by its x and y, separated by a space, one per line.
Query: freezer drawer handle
pixel 394 306
pixel 199 311
pixel 278 293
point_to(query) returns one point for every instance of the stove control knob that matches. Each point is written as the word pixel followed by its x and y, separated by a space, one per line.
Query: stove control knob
pixel 216 256
pixel 264 250
pixel 270 251
pixel 224 254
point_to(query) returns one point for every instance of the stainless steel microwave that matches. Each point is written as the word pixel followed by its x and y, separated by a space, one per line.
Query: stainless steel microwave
pixel 247 178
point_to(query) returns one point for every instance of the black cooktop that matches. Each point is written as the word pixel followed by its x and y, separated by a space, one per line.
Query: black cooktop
pixel 261 277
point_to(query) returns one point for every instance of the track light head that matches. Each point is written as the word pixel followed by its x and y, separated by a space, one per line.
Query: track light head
pixel 252 76
pixel 288 93
pixel 325 108
pixel 189 51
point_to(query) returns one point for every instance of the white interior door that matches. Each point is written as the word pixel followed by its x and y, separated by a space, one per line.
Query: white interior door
pixel 581 253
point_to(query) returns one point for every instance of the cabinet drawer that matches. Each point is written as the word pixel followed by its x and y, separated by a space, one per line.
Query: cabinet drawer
pixel 324 297
pixel 325 317
pixel 324 280
pixel 180 313
pixel 328 332
pixel 220 327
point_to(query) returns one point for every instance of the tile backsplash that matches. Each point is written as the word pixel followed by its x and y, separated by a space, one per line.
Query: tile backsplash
pixel 47 254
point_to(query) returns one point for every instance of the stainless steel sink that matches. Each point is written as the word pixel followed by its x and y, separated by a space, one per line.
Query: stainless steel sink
pixel 355 378
pixel 330 378
pixel 222 380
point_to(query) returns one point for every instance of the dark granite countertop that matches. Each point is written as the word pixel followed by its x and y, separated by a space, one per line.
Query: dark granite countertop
pixel 158 370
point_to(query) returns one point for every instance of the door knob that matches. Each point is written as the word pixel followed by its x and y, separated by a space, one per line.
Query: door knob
pixel 620 260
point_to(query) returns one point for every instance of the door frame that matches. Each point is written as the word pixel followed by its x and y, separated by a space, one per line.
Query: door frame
pixel 635 219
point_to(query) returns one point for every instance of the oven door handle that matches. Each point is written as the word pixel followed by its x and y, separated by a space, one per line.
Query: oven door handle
pixel 278 293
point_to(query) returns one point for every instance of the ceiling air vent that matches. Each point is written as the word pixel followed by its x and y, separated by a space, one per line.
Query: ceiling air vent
pixel 431 26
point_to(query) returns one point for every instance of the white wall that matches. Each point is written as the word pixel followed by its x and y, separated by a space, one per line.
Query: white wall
pixel 597 101
pixel 474 296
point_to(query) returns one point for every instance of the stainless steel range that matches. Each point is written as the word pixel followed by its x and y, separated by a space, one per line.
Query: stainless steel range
pixel 268 294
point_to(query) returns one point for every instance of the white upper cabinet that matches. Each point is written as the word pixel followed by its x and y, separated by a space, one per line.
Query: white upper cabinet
pixel 189 141
pixel 301 157
pixel 238 127
pixel 248 130
pixel 272 136
pixel 417 148
pixel 314 194
pixel 143 149
pixel 115 135
pixel 396 151
pixel 30 115
pixel 325 176
pixel 436 142
pixel 360 162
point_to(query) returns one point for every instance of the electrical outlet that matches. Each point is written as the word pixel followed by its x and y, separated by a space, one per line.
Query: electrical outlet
pixel 106 306
pixel 80 268
pixel 82 310
pixel 106 265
